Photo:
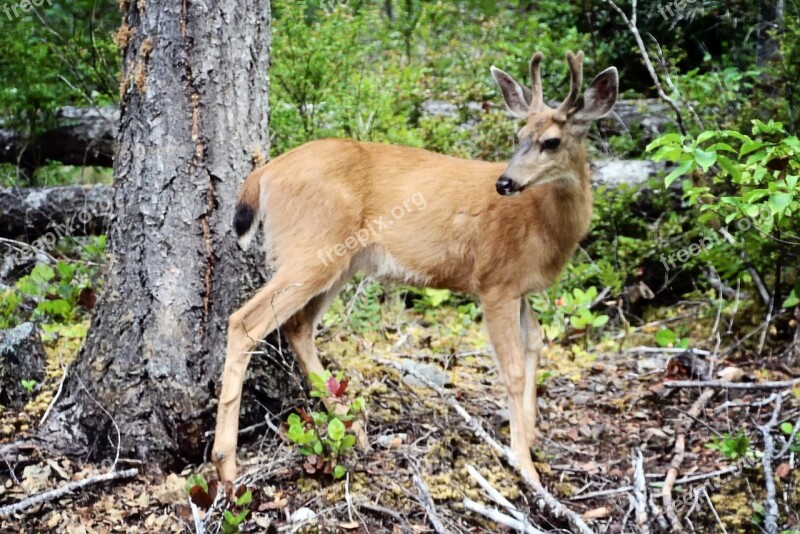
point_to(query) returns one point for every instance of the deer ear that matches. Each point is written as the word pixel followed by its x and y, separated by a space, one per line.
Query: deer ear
pixel 516 96
pixel 599 98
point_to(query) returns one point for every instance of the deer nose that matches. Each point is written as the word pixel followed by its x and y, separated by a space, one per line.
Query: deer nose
pixel 506 186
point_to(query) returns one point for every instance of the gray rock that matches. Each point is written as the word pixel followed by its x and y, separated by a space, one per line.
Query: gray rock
pixel 22 357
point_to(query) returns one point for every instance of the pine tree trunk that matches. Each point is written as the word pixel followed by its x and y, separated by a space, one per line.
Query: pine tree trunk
pixel 193 121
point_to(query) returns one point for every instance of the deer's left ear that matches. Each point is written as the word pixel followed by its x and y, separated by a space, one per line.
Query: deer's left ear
pixel 599 98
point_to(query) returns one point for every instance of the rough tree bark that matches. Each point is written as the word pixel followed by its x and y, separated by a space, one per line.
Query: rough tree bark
pixel 193 121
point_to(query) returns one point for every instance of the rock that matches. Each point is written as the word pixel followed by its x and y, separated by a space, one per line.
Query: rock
pixel 430 372
pixel 22 357
pixel 301 515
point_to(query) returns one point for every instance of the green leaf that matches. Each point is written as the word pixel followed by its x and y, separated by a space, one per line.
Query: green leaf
pixel 778 202
pixel 669 139
pixel 599 321
pixel 787 428
pixel 666 337
pixel 750 146
pixel 245 498
pixel 318 447
pixel 293 420
pixel 731 167
pixel 684 168
pixel 705 159
pixel 339 471
pixel 705 136
pixel 347 442
pixel 336 429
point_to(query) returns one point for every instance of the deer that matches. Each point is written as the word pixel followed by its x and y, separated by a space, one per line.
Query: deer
pixel 498 231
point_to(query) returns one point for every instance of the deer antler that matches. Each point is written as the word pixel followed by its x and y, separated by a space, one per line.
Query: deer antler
pixel 575 62
pixel 537 97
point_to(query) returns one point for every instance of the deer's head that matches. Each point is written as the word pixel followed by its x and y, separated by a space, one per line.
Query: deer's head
pixel 552 137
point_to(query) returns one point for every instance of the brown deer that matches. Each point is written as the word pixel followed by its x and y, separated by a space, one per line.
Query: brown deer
pixel 498 231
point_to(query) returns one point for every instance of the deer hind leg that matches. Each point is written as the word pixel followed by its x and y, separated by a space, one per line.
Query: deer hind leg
pixel 299 331
pixel 289 291
pixel 532 344
pixel 502 314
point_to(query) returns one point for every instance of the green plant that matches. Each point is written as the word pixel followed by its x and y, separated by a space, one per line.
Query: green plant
pixel 788 428
pixel 202 495
pixel 366 313
pixel 733 447
pixel 571 307
pixel 669 338
pixel 29 385
pixel 322 436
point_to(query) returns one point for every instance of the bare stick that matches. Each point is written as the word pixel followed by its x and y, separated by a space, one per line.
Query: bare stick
pixel 56 396
pixel 427 502
pixel 771 506
pixel 199 528
pixel 724 384
pixel 558 509
pixel 64 490
pixel 728 374
pixel 640 493
pixel 498 498
pixel 498 517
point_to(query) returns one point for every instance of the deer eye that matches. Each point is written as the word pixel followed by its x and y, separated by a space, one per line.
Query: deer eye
pixel 551 144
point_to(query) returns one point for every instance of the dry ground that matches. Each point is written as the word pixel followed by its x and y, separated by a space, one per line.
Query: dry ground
pixel 599 402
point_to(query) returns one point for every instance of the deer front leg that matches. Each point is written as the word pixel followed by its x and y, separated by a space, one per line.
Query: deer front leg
pixel 502 314
pixel 532 343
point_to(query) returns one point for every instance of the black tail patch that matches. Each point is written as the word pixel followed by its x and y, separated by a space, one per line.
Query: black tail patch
pixel 243 219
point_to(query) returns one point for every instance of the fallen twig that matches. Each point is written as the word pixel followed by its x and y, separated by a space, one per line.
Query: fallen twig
pixel 728 375
pixel 667 350
pixel 56 396
pixel 725 384
pixel 639 500
pixel 558 509
pixel 427 501
pixel 498 517
pixel 771 506
pixel 498 498
pixel 64 490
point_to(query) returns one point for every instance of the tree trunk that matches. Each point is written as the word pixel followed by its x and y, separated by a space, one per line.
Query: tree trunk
pixel 193 120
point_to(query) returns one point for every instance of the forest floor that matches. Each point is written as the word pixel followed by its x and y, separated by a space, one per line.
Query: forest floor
pixel 599 404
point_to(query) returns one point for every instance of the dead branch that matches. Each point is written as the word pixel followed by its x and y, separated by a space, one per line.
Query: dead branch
pixel 771 506
pixel 789 442
pixel 631 24
pixel 640 493
pixel 684 425
pixel 498 517
pixel 427 501
pixel 48 496
pixel 723 384
pixel 498 498
pixel 558 509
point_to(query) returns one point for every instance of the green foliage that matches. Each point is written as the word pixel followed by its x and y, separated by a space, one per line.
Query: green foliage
pixel 322 436
pixel 365 315
pixel 572 308
pixel 669 338
pixel 29 385
pixel 56 295
pixel 788 428
pixel 753 190
pixel 733 447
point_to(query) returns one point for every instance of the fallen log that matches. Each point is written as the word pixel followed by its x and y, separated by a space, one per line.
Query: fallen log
pixel 79 136
pixel 54 212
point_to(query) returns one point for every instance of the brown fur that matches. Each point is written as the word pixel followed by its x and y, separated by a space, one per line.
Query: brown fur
pixel 315 199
